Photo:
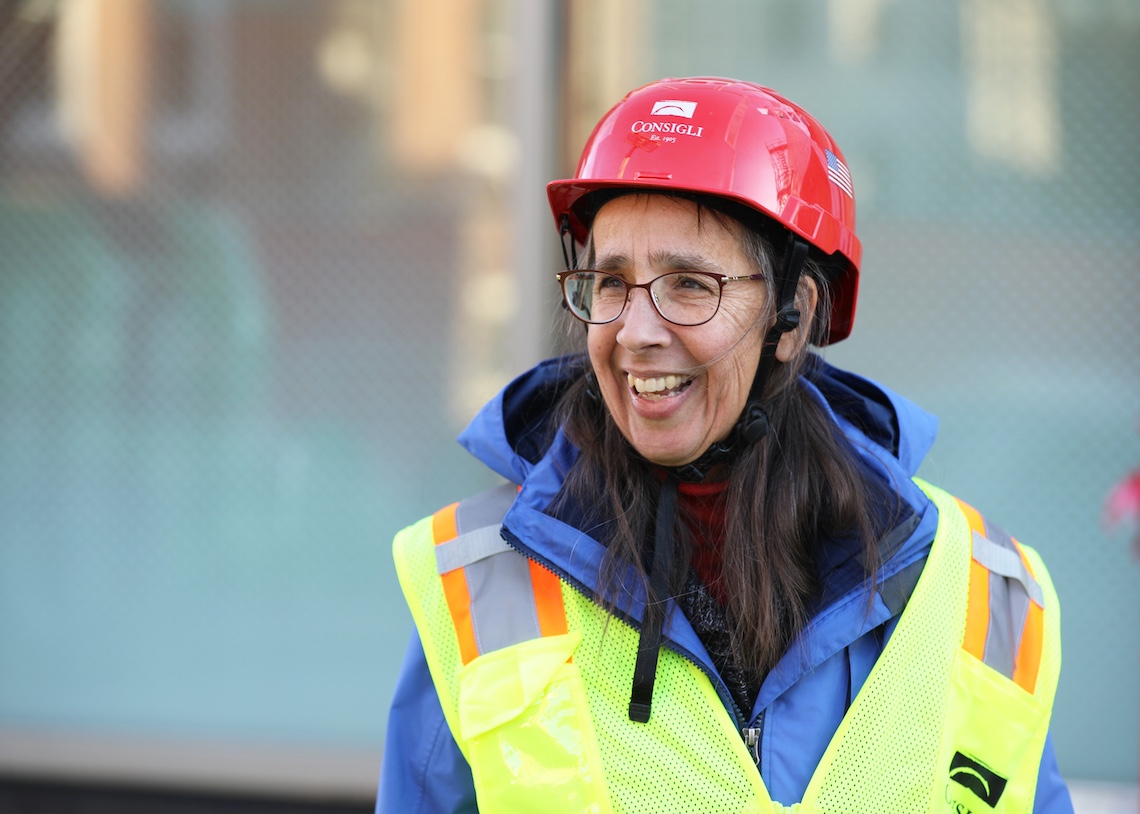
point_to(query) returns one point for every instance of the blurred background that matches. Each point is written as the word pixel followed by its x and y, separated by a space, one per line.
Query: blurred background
pixel 261 260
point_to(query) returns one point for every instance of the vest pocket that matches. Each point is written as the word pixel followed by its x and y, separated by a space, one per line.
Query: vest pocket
pixel 527 730
pixel 999 733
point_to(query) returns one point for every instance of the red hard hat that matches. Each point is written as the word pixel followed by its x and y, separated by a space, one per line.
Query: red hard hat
pixel 733 140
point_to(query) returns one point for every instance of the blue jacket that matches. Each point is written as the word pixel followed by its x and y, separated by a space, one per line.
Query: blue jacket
pixel 802 700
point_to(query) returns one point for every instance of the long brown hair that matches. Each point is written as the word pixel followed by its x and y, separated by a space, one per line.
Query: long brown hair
pixel 799 485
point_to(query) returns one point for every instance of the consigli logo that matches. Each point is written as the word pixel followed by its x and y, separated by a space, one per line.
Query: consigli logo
pixel 673 107
pixel 673 129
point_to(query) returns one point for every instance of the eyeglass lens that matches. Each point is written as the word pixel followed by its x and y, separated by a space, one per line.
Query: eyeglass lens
pixel 681 297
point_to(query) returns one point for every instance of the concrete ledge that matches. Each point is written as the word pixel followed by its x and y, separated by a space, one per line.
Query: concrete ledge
pixel 1091 797
pixel 334 773
pixel 328 774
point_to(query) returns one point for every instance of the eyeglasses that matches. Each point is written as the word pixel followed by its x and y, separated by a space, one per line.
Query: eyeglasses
pixel 681 297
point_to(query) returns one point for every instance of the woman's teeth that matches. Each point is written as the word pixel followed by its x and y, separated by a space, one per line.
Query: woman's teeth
pixel 656 387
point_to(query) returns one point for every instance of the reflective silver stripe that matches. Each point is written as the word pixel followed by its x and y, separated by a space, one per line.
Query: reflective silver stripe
pixel 469 548
pixel 1009 607
pixel 503 610
pixel 1011 587
pixel 1007 562
pixel 477 521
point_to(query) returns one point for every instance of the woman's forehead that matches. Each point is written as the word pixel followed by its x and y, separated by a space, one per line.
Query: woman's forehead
pixel 663 216
pixel 664 259
pixel 667 232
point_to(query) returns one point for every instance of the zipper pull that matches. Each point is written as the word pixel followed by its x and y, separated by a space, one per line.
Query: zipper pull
pixel 752 741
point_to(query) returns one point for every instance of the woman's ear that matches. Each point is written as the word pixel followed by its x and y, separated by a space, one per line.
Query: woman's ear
pixel 793 342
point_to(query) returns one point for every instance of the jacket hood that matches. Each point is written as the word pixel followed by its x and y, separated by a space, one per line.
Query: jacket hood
pixel 512 432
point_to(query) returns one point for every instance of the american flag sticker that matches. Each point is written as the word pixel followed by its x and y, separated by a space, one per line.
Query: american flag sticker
pixel 837 172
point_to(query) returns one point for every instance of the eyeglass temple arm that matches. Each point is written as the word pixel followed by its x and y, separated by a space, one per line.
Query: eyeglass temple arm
pixel 745 277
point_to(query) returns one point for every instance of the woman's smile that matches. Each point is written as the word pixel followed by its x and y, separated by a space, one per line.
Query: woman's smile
pixel 659 387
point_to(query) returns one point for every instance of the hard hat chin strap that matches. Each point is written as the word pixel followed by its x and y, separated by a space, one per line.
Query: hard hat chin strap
pixel 752 425
pixel 566 242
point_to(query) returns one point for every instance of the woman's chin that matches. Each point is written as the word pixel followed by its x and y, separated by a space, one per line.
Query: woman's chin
pixel 666 451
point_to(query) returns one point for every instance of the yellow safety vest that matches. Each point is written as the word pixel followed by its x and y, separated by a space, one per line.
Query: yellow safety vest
pixel 534 681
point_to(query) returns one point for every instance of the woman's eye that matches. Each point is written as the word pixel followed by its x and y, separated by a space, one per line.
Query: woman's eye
pixel 692 283
pixel 611 282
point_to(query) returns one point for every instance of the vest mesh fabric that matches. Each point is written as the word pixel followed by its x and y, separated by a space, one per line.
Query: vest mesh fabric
pixel 705 766
pixel 885 749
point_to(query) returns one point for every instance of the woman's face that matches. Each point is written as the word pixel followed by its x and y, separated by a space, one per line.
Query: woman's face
pixel 672 390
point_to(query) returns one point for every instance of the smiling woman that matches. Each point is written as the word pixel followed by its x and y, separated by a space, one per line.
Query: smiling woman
pixel 691 595
pixel 665 398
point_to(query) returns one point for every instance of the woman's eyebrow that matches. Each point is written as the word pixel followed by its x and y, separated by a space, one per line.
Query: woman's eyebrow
pixel 612 263
pixel 669 260
pixel 677 261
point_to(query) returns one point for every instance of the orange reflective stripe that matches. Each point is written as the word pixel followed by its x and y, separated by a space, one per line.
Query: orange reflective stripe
pixel 455 591
pixel 459 603
pixel 501 612
pixel 548 600
pixel 1029 654
pixel 973 517
pixel 443 524
pixel 978 604
pixel 977 611
pixel 1028 660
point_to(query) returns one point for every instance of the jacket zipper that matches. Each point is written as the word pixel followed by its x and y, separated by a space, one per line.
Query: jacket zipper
pixel 752 735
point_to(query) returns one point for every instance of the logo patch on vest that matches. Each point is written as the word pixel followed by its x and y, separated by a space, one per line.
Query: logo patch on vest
pixel 979 779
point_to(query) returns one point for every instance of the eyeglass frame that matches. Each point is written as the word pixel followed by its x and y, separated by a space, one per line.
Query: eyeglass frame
pixel 629 288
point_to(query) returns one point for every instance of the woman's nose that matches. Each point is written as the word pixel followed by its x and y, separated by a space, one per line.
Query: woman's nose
pixel 642 326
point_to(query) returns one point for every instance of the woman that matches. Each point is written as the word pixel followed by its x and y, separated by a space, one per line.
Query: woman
pixel 690 596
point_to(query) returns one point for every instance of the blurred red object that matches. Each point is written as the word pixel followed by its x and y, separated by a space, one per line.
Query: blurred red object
pixel 1123 506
